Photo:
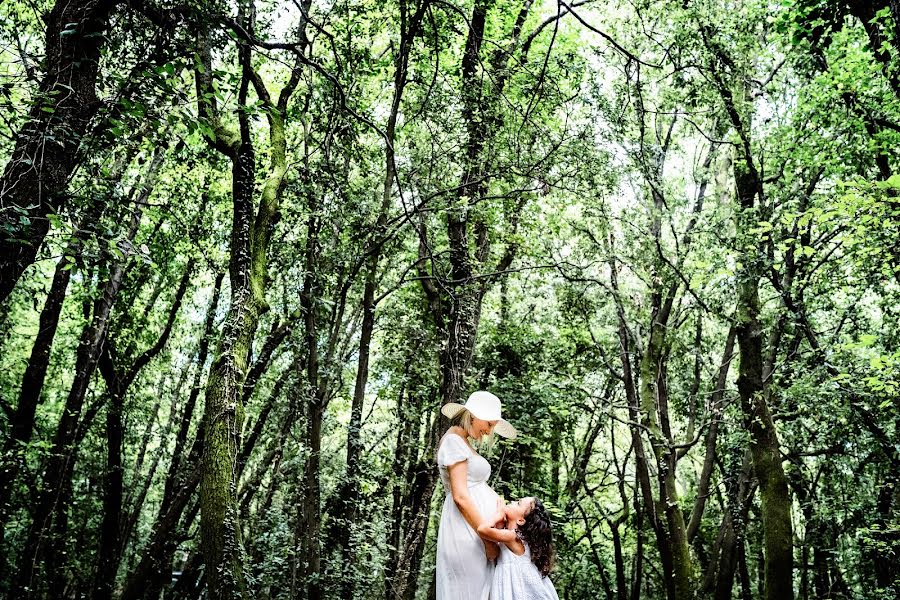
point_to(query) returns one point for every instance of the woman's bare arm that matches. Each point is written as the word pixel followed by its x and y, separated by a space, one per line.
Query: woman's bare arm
pixel 459 489
pixel 460 492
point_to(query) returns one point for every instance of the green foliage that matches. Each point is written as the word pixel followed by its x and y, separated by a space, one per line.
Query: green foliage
pixel 592 151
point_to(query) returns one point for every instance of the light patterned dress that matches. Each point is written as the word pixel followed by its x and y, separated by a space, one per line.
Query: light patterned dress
pixel 517 578
pixel 463 570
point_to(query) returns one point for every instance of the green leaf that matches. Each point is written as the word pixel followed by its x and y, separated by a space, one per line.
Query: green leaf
pixel 867 340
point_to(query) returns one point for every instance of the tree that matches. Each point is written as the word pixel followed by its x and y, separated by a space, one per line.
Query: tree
pixel 250 236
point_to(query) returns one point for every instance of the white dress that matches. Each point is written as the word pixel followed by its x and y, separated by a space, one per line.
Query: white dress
pixel 463 570
pixel 517 578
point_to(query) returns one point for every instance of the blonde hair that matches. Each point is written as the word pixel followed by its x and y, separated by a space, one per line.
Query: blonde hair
pixel 463 419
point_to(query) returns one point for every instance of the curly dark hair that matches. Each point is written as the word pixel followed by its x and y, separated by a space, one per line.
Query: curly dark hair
pixel 537 532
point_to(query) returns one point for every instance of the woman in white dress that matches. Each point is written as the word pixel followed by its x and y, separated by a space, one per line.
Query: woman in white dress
pixel 465 561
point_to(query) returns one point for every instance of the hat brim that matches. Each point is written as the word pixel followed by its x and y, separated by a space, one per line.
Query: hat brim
pixel 503 427
pixel 451 409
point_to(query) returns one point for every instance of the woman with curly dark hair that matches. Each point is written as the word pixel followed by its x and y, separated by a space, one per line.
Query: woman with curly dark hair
pixel 525 533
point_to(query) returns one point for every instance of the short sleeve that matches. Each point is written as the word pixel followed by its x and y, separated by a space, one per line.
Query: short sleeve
pixel 453 449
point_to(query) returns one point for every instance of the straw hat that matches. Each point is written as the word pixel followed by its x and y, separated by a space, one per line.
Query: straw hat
pixel 485 406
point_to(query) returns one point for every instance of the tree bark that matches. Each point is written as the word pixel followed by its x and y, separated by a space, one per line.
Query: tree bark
pixel 223 413
pixel 118 382
pixel 223 418
pixel 676 555
pixel 22 425
pixel 35 179
pixel 764 444
pixel 52 504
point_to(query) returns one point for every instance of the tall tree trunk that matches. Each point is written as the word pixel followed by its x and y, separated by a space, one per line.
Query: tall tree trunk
pixel 764 445
pixel 22 425
pixel 306 568
pixel 118 382
pixel 109 549
pixel 351 497
pixel 35 178
pixel 220 530
pixel 650 405
pixel 306 572
pixel 52 504
pixel 309 526
pixel 224 413
pixel 642 466
pixel 637 572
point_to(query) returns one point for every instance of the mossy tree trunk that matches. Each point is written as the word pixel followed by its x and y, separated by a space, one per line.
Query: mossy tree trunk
pixel 764 444
pixel 251 232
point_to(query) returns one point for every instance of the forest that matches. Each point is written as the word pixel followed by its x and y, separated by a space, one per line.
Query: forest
pixel 249 248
